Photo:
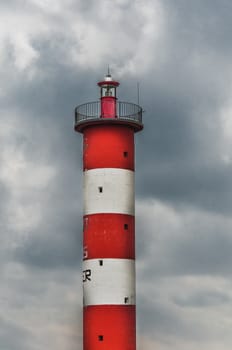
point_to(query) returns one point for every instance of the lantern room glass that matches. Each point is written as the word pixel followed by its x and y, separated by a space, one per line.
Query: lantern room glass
pixel 108 91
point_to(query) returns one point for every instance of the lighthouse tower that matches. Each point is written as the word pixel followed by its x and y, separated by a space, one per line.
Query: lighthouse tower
pixel 108 127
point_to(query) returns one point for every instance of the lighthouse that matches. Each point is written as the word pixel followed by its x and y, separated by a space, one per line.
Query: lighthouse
pixel 108 127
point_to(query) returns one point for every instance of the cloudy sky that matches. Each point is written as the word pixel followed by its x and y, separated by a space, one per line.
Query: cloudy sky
pixel 52 53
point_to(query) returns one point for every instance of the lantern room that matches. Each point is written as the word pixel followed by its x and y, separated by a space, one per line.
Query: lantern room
pixel 108 97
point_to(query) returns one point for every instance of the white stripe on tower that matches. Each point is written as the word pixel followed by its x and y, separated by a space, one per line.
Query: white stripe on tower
pixel 109 282
pixel 108 190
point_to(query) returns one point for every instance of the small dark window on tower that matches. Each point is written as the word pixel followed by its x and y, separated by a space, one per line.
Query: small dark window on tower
pixel 126 300
pixel 100 337
pixel 125 226
pixel 101 262
pixel 125 154
pixel 100 189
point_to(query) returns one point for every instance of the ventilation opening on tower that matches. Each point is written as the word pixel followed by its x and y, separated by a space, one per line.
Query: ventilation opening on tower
pixel 100 338
pixel 125 226
pixel 100 189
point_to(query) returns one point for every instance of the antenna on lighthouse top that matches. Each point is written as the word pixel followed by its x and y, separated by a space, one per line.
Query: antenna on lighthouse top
pixel 138 92
pixel 108 76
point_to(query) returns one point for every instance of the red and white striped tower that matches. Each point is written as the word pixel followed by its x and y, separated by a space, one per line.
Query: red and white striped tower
pixel 108 127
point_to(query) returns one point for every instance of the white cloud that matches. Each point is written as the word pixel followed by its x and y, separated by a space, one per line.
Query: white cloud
pixel 98 37
pixel 24 54
pixel 42 307
pixel 51 6
pixel 22 177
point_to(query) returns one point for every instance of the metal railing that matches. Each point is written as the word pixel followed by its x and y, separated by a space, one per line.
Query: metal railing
pixel 92 111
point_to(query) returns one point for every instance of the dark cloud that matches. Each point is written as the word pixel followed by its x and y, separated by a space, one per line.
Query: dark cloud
pixel 202 184
pixel 59 248
pixel 4 193
pixel 56 243
pixel 199 245
pixel 203 253
pixel 162 320
pixel 203 299
pixel 180 153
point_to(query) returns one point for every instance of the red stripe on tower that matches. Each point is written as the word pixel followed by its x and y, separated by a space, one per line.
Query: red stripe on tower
pixel 108 127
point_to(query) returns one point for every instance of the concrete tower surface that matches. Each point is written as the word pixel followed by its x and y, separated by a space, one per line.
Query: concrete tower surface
pixel 108 127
